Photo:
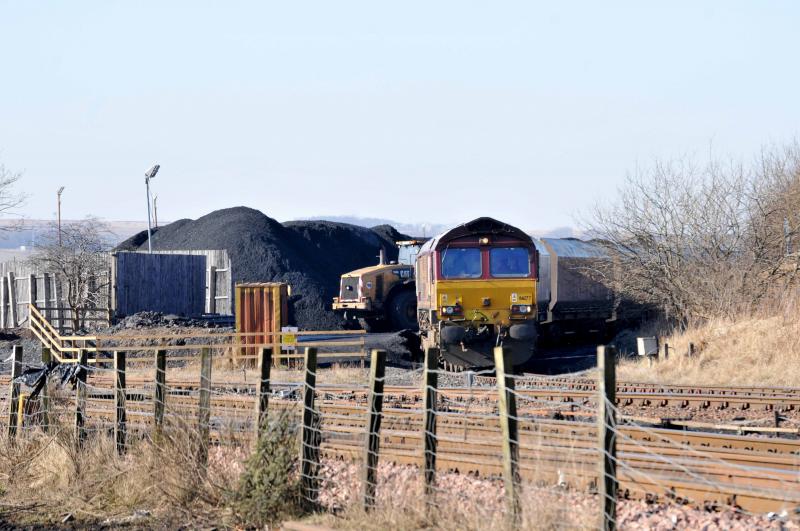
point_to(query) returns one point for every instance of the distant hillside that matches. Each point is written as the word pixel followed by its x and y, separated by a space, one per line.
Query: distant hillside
pixel 414 229
pixel 27 232
pixel 432 229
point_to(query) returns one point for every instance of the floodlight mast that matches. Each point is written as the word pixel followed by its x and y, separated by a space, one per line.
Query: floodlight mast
pixel 59 192
pixel 155 210
pixel 150 174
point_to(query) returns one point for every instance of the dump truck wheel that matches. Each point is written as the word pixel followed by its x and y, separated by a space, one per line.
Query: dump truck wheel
pixel 403 311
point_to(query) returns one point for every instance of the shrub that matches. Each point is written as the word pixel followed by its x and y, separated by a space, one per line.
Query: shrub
pixel 269 488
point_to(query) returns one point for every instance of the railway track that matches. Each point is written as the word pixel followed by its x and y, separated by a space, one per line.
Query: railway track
pixel 549 389
pixel 644 395
pixel 590 384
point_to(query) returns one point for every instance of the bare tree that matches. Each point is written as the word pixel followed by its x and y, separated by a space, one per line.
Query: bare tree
pixel 703 241
pixel 10 199
pixel 80 262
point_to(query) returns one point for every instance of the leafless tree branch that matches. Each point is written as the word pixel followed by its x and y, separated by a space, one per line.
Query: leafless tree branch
pixel 10 198
pixel 80 260
pixel 703 242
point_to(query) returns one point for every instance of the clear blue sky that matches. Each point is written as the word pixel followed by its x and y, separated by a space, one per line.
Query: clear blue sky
pixel 415 111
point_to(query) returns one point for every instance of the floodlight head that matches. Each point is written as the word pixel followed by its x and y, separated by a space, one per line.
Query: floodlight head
pixel 151 173
pixel 60 190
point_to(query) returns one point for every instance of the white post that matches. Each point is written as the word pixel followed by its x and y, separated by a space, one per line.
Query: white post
pixel 149 225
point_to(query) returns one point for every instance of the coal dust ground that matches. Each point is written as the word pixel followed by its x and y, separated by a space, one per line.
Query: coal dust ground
pixel 404 350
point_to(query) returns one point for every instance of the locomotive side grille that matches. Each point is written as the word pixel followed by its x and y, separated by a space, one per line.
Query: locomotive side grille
pixel 349 289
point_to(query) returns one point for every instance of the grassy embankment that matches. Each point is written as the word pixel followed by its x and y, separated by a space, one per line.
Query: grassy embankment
pixel 753 351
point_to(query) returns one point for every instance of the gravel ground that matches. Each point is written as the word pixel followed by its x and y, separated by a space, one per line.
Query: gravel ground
pixel 160 323
pixel 31 348
pixel 746 417
pixel 399 492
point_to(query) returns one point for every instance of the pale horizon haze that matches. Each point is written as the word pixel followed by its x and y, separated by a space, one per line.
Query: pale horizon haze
pixel 411 111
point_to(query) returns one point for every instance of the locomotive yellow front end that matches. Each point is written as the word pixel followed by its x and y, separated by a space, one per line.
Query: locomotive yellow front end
pixel 476 289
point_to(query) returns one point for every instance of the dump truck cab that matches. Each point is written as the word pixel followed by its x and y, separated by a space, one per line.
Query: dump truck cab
pixel 381 295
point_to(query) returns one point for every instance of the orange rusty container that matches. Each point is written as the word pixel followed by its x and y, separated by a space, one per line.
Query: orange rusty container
pixel 261 310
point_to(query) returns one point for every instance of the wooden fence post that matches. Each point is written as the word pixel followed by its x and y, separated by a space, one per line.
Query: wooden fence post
pixel 429 441
pixel 12 300
pixel 32 290
pixel 507 404
pixel 3 303
pixel 48 293
pixel 120 426
pixel 80 398
pixel 160 392
pixel 204 420
pixel 112 287
pixel 58 293
pixel 375 403
pixel 310 436
pixel 13 391
pixel 606 435
pixel 44 394
pixel 110 293
pixel 262 394
pixel 212 289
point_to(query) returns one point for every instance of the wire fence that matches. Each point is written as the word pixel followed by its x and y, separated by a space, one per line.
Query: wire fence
pixel 500 454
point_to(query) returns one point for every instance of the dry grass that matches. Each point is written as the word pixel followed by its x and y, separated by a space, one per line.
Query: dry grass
pixel 45 477
pixel 759 351
pixel 158 484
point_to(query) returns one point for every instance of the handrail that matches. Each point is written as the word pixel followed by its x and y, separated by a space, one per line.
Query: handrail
pixel 67 349
pixel 34 311
pixel 46 333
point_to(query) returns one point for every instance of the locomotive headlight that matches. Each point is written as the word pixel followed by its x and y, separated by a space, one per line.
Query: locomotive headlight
pixel 451 310
pixel 521 308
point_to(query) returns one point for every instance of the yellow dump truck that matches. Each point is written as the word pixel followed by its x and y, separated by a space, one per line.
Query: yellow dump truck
pixel 382 296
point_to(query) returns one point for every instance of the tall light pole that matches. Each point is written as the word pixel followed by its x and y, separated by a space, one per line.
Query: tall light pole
pixel 149 174
pixel 155 210
pixel 60 191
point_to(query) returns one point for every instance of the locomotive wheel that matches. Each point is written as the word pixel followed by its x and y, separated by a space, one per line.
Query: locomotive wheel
pixel 403 311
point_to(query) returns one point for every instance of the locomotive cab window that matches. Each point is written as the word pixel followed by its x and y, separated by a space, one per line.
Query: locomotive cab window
pixel 461 263
pixel 509 262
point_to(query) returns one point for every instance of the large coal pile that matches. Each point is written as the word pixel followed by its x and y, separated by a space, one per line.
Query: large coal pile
pixel 308 255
